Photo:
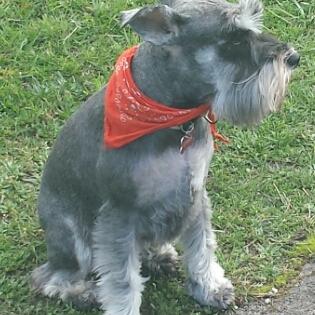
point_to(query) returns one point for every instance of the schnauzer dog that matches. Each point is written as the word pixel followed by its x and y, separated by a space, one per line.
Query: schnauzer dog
pixel 126 177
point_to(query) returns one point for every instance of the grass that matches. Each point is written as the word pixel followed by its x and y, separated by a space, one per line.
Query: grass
pixel 54 54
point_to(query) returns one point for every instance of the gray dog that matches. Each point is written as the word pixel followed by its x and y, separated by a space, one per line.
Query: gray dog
pixel 105 210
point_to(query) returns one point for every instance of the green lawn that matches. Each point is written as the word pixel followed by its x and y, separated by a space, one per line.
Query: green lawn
pixel 54 54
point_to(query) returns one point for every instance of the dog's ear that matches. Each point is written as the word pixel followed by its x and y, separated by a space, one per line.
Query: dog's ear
pixel 157 24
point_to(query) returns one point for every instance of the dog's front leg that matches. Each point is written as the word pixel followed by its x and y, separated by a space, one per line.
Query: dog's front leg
pixel 206 282
pixel 116 261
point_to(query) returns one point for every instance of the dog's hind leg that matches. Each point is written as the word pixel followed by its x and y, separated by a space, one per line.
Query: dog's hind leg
pixel 206 282
pixel 68 285
pixel 116 261
pixel 65 275
pixel 160 259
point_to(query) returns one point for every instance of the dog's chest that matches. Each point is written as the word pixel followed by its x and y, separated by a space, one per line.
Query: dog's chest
pixel 167 185
pixel 172 176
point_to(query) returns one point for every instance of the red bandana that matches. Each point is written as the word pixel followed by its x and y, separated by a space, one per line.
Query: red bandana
pixel 129 114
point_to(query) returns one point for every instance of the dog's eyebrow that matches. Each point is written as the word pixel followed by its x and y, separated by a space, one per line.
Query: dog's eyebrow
pixel 252 23
pixel 249 16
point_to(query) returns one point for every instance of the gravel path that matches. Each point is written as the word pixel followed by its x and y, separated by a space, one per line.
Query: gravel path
pixel 299 301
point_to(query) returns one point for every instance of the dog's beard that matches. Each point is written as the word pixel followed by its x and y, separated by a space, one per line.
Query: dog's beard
pixel 273 81
pixel 249 101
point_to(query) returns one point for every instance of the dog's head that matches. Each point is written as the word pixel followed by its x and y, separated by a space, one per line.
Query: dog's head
pixel 223 47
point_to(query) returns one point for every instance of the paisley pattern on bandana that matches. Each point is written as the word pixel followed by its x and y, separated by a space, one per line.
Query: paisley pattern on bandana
pixel 129 114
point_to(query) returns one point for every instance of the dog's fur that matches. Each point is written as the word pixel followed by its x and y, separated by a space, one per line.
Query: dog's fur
pixel 103 211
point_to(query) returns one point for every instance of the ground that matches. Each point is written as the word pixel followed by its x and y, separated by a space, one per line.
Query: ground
pixel 54 54
pixel 300 300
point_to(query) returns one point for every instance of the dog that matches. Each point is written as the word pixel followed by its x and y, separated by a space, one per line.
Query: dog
pixel 126 176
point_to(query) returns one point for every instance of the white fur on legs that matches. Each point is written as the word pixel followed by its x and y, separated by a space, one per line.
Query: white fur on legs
pixel 212 288
pixel 116 261
pixel 206 282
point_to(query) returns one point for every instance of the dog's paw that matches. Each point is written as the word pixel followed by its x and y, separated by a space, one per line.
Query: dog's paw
pixel 163 260
pixel 217 294
pixel 81 296
pixel 166 264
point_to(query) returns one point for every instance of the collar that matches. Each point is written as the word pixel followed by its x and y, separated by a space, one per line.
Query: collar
pixel 130 115
pixel 188 131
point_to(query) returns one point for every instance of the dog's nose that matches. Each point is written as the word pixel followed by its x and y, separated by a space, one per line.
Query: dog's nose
pixel 293 60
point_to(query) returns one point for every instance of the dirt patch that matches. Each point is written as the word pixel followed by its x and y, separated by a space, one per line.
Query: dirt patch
pixel 300 300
